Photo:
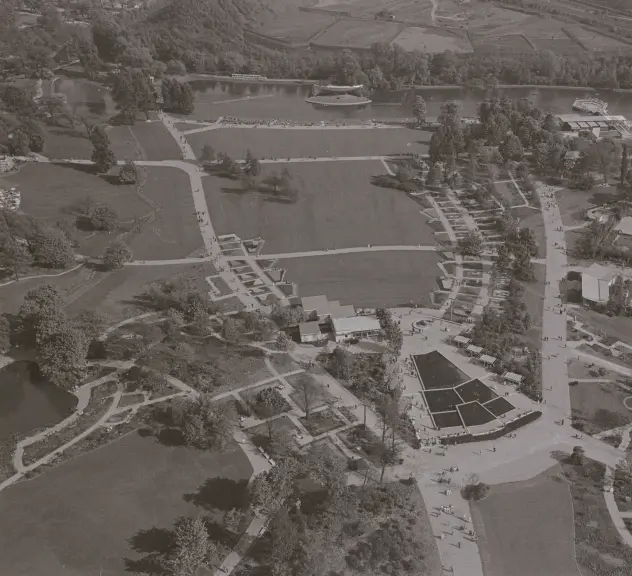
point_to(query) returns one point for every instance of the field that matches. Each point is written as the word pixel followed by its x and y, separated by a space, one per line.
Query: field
pixel 436 371
pixel 337 207
pixel 116 293
pixel 55 192
pixel 402 9
pixel 296 26
pixel 367 279
pixel 513 44
pixel 431 41
pixel 294 143
pixel 108 511
pixel 353 34
pixel 526 528
pixel 598 406
pixel 150 139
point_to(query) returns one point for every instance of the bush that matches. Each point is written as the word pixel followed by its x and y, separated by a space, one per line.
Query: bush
pixel 475 492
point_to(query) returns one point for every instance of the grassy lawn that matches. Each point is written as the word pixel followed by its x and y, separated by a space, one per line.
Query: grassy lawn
pixel 367 279
pixel 622 490
pixel 616 326
pixel 320 396
pixel 295 143
pixel 108 511
pixel 337 207
pixel 251 396
pixel 55 192
pixel 599 406
pixel 283 363
pixel 532 219
pixel 151 139
pixel 359 34
pixel 362 441
pixel 526 528
pixel 296 26
pixel 260 434
pixel 533 293
pixel 116 294
pixel 320 422
pixel 573 203
pixel 598 547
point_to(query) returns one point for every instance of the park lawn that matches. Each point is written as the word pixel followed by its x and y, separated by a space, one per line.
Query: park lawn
pixel 356 34
pixel 117 295
pixel 616 326
pixel 598 406
pixel 370 279
pixel 321 422
pixel 295 143
pixel 532 297
pixel 573 203
pixel 67 142
pixel 107 511
pixel 151 139
pixel 532 219
pixel 526 528
pixel 55 192
pixel 337 207
pixel 598 546
pixel 296 26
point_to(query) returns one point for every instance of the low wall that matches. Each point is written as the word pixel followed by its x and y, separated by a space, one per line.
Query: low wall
pixel 514 424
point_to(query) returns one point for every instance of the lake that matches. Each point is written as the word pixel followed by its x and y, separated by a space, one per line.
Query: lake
pixel 28 401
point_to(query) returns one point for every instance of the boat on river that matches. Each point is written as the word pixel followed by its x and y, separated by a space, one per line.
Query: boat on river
pixel 592 106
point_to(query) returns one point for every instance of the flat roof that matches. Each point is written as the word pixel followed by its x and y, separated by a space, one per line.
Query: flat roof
pixel 356 324
pixel 309 328
pixel 337 310
pixel 512 377
pixel 583 118
pixel 474 349
pixel 462 339
pixel 487 359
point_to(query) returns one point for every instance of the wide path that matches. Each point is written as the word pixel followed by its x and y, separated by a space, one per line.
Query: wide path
pixel 336 251
pixel 264 126
pixel 554 368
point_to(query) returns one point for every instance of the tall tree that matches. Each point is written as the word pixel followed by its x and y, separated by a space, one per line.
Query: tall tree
pixel 50 247
pixel 419 110
pixel 193 549
pixel 116 254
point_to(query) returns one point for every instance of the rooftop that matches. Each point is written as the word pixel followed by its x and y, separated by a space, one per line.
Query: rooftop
pixel 319 304
pixel 355 324
pixel 625 226
pixel 309 329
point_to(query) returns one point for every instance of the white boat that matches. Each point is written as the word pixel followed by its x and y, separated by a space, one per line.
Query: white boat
pixel 591 106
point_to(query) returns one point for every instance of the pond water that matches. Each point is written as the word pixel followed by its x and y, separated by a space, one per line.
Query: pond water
pixel 28 401
pixel 257 100
pixel 86 98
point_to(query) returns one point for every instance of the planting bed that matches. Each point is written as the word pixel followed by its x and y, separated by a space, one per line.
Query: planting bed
pixel 321 422
pixel 436 371
pixel 475 390
pixel 448 419
pixel 473 414
pixel 499 406
pixel 442 400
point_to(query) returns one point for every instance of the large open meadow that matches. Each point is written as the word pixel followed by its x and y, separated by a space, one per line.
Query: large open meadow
pixel 292 143
pixel 526 528
pixel 151 139
pixel 370 279
pixel 353 34
pixel 107 512
pixel 55 192
pixel 336 207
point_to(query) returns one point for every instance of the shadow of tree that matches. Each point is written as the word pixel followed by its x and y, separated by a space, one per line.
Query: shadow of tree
pixel 156 544
pixel 220 494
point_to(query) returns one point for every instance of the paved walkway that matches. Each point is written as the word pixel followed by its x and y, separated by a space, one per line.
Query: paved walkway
pixel 336 251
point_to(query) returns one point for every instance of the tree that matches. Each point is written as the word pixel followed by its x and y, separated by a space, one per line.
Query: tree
pixel 471 244
pixel 19 143
pixel 40 306
pixel 204 424
pixel 192 548
pixel 51 248
pixel 128 173
pixel 5 335
pixel 403 173
pixel 270 489
pixel 511 148
pixel 435 175
pixel 310 391
pixel 450 114
pixel 419 110
pixel 61 355
pixel 103 158
pixel 208 154
pixel 104 218
pixel 14 255
pixel 116 254
pixel 283 341
pixel 230 331
pixel 91 323
pixel 286 316
pixel 326 470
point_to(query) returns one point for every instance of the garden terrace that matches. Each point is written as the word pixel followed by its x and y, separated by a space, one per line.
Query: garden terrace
pixel 473 414
pixel 436 371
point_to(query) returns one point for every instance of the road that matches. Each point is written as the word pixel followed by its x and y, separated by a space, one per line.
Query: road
pixel 554 368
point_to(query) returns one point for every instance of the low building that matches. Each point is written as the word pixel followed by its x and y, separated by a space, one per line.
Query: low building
pixel 487 360
pixel 461 340
pixel 596 282
pixel 512 378
pixel 355 327
pixel 624 226
pixel 316 307
pixel 576 122
pixel 474 350
pixel 309 332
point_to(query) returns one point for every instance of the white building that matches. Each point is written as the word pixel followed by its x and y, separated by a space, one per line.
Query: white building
pixel 309 332
pixel 355 327
pixel 596 282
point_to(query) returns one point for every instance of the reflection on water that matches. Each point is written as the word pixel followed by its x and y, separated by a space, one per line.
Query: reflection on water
pixel 28 402
pixel 86 98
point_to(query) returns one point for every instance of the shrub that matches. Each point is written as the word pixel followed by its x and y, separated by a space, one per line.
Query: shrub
pixel 475 491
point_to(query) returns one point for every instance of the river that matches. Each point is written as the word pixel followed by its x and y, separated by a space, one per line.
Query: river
pixel 28 402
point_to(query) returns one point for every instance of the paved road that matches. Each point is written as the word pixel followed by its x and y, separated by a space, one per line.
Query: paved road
pixel 554 367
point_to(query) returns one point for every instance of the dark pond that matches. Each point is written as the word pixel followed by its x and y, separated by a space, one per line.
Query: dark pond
pixel 28 401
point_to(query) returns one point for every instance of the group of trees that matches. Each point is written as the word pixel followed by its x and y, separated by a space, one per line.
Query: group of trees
pixel 515 253
pixel 21 128
pixel 61 343
pixel 392 331
pixel 133 91
pixel 102 155
pixel 177 97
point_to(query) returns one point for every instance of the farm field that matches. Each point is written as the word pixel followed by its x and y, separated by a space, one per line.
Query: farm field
pixel 151 139
pixel 116 294
pixel 431 41
pixel 55 192
pixel 295 26
pixel 513 43
pixel 526 528
pixel 401 9
pixel 368 279
pixel 598 406
pixel 354 34
pixel 110 510
pixel 337 207
pixel 294 143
